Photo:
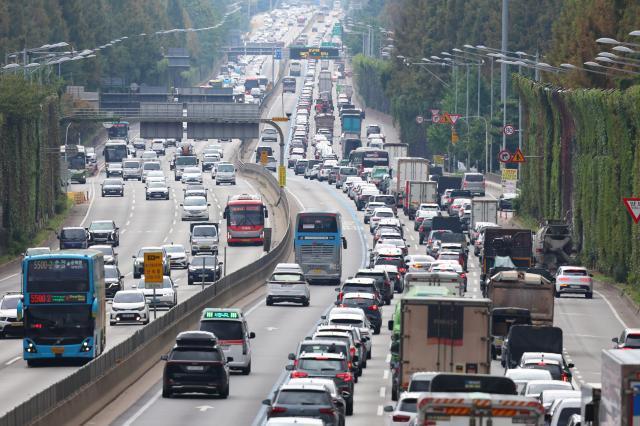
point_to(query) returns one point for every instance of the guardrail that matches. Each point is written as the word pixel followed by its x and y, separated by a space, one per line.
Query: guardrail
pixel 77 397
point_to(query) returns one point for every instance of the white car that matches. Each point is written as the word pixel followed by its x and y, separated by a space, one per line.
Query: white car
pixel 378 214
pixel 167 296
pixel 574 279
pixel 535 387
pixel 149 167
pixel 9 324
pixel 288 286
pixel 129 306
pixel 156 189
pixel 562 409
pixel 195 208
pixel 349 182
pixel 404 411
pixel 225 173
pixel 430 207
pixel 522 376
pixel 177 256
pixel 149 156
pixel 192 175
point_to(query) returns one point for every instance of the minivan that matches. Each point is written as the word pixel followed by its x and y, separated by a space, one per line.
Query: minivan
pixel 149 166
pixel 131 169
pixel 474 182
pixel 230 327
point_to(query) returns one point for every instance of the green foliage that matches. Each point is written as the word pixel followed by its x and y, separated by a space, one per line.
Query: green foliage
pixel 29 164
pixel 585 157
pixel 371 77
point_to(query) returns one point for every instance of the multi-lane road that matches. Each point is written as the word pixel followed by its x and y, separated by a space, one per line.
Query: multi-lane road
pixel 588 325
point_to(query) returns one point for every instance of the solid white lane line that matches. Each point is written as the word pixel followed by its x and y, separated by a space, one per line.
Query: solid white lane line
pixel 11 361
pixel 296 198
pixel 142 409
pixel 8 277
pixel 383 392
pixel 385 375
pixel 615 314
pixel 388 360
pixel 380 410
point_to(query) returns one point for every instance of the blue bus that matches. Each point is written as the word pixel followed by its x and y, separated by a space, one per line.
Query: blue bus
pixel 318 245
pixel 63 307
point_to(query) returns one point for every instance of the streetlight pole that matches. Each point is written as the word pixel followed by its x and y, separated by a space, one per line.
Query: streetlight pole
pixel 503 67
pixel 486 137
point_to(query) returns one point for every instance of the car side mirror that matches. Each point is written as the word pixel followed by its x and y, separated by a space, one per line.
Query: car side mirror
pixel 345 394
pixel 388 408
pixel 571 365
pixel 289 367
pixel 164 357
pixel 323 317
pixel 266 402
pixel 390 325
pixel 208 204
pixel 133 257
pixel 337 289
pixel 291 356
pixel 614 340
pixel 252 335
pixel 229 359
pixel 122 277
pixel 591 275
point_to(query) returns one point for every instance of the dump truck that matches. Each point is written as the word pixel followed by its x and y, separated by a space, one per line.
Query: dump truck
pixel 416 193
pixel 448 334
pixel 553 245
pixel 407 168
pixel 510 245
pixel 518 289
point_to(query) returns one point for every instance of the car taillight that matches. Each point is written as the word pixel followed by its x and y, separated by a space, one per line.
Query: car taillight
pixel 326 411
pixel 278 410
pixel 463 275
pixel 349 365
pixel 347 377
pixel 298 374
pixel 585 280
pixel 373 308
pixel 340 296
pixel 421 228
pixel 464 184
pixel 401 418
pixel 387 283
pixel 402 270
pixel 352 351
pixel 430 241
pixel 565 377
pixel 564 279
pixel 245 347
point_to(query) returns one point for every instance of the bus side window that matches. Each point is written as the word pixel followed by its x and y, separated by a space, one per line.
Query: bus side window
pixel 266 212
pixel 344 243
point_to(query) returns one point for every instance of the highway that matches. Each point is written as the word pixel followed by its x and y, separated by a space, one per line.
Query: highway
pixel 588 325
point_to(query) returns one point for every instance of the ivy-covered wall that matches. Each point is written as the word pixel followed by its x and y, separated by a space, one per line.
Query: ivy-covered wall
pixel 30 189
pixel 584 158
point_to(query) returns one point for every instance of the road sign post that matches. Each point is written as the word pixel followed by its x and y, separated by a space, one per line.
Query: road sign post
pixel 508 129
pixel 504 156
pixel 153 274
pixel 419 119
pixel 517 157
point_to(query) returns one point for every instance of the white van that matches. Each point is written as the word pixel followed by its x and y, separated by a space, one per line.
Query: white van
pixel 230 327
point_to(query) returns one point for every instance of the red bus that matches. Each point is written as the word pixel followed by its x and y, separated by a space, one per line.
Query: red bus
pixel 245 215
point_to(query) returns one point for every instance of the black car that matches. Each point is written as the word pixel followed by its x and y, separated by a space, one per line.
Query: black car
pixel 369 304
pixel 204 266
pixel 305 400
pixel 104 232
pixel 73 237
pixel 112 280
pixel 196 364
pixel 327 365
pixel 112 187
pixel 383 281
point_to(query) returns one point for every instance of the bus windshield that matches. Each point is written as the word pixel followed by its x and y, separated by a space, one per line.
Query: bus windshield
pixel 187 160
pixel 246 215
pixel 54 322
pixel 317 223
pixel 119 131
pixel 57 275
pixel 115 153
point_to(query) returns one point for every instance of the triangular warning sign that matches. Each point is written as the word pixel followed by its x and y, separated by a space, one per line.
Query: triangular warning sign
pixel 454 118
pixel 633 206
pixel 517 157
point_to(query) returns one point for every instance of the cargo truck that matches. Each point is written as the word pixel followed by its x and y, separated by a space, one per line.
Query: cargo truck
pixel 324 82
pixel 518 289
pixel 447 334
pixel 448 182
pixel 351 123
pixel 620 393
pixel 416 193
pixel 483 210
pixel 407 168
pixel 512 244
pixel 395 150
pixel 530 338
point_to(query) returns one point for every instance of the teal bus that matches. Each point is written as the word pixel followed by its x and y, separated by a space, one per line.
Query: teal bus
pixel 63 306
pixel 76 159
pixel 318 244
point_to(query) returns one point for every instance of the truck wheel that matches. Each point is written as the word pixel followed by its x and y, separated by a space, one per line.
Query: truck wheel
pixel 136 275
pixel 246 370
pixel 166 392
pixel 350 407
pixel 589 295
pixel 394 393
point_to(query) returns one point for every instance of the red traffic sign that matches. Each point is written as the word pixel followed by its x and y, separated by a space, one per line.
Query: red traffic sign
pixel 435 111
pixel 633 206
pixel 518 157
pixel 504 156
pixel 508 130
pixel 419 119
pixel 435 118
pixel 454 118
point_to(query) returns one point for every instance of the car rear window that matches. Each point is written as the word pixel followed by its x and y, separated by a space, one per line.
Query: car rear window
pixel 409 405
pixel 474 178
pixel 554 369
pixel 321 364
pixel 575 272
pixel 195 355
pixel 313 348
pixel 224 330
pixel 302 397
pixel 419 386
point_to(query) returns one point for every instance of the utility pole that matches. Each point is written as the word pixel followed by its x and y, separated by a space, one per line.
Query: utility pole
pixel 503 67
pixel 466 113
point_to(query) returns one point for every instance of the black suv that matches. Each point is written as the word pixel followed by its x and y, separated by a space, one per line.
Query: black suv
pixel 383 282
pixel 196 364
pixel 330 366
pixel 104 232
pixel 113 280
pixel 73 237
pixel 206 266
pixel 305 400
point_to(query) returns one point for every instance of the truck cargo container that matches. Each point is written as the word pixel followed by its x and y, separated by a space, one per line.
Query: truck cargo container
pixel 407 168
pixel 518 289
pixel 416 193
pixel 483 210
pixel 620 394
